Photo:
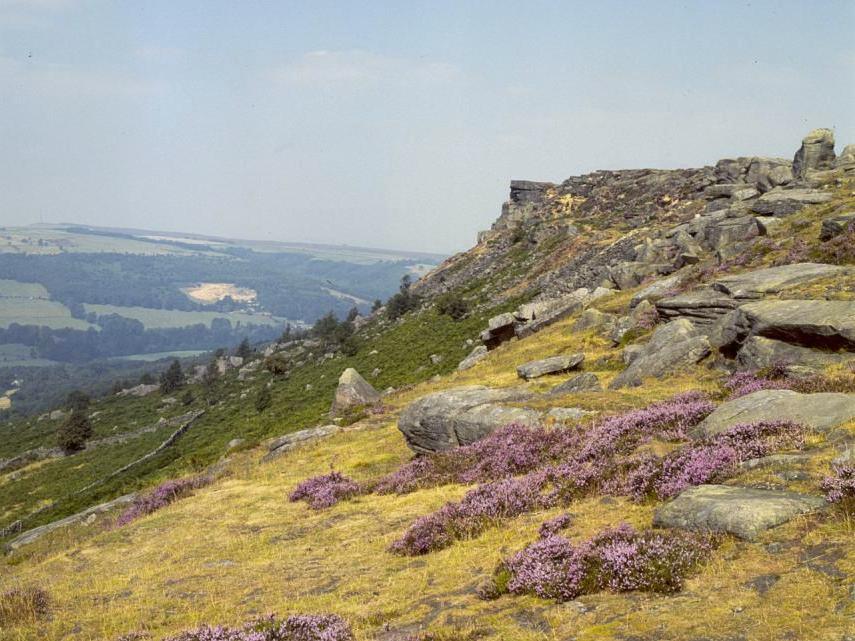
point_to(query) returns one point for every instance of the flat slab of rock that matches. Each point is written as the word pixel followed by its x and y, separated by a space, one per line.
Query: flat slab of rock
pixel 822 412
pixel 552 365
pixel 758 352
pixel 587 382
pixel 836 225
pixel 758 283
pixel 743 511
pixel 282 444
pixel 352 391
pixel 703 306
pixel 673 346
pixel 475 356
pixel 444 420
pixel 827 324
pixel 783 202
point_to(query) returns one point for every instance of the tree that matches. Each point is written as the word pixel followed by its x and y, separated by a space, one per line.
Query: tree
pixel 452 305
pixel 187 398
pixel 244 350
pixel 77 400
pixel 74 432
pixel 377 305
pixel 147 379
pixel 263 400
pixel 353 314
pixel 172 378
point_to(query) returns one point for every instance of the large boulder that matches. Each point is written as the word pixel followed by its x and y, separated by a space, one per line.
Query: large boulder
pixel 783 202
pixel 836 225
pixel 728 231
pixel 475 356
pixel 352 391
pixel 827 324
pixel 587 382
pixel 758 352
pixel 760 282
pixel 703 306
pixel 743 511
pixel 461 416
pixel 816 152
pixel 673 346
pixel 822 412
pixel 552 365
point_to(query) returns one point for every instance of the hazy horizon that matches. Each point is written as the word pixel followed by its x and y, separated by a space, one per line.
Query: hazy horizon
pixel 387 126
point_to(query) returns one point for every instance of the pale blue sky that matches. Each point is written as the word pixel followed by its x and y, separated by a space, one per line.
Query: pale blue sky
pixel 389 124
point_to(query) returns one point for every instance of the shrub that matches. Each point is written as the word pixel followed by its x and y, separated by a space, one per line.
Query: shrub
pixel 325 491
pixel 172 378
pixel 554 525
pixel 77 400
pixel 297 627
pixel 160 497
pixel 263 400
pixel 19 605
pixel 840 486
pixel 277 364
pixel 452 306
pixel 619 560
pixel 839 250
pixel 74 432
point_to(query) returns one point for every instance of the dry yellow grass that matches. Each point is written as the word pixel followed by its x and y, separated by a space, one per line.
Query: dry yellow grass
pixel 238 548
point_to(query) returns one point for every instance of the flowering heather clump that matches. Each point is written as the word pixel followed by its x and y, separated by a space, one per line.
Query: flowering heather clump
pixel 841 486
pixel 23 604
pixel 160 497
pixel 298 627
pixel 705 460
pixel 583 469
pixel 325 491
pixel 619 559
pixel 743 383
pixel 553 526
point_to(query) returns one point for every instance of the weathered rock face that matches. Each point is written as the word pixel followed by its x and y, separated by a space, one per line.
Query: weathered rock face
pixel 475 356
pixel 821 412
pixel 816 152
pixel 288 442
pixel 783 202
pixel 836 225
pixel 828 324
pixel 552 365
pixel 445 420
pixel 760 282
pixel 743 511
pixel 758 352
pixel 702 306
pixel 674 345
pixel 587 382
pixel 353 391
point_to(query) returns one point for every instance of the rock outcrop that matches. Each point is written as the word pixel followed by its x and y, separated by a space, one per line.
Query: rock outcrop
pixel 587 382
pixel 352 391
pixel 822 412
pixel 461 416
pixel 743 511
pixel 552 365
pixel 674 345
pixel 816 152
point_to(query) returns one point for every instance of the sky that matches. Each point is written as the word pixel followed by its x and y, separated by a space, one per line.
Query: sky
pixel 390 124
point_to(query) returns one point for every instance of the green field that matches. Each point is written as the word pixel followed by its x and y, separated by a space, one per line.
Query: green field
pixel 45 240
pixel 162 318
pixel 157 356
pixel 40 312
pixel 16 289
pixel 17 355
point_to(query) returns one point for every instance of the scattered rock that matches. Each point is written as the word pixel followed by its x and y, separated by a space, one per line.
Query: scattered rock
pixel 763 583
pixel 827 324
pixel 743 511
pixel 672 346
pixel 631 352
pixel 816 152
pixel 702 306
pixel 140 390
pixel 783 202
pixel 822 412
pixel 836 225
pixel 656 290
pixel 593 319
pixel 235 442
pixel 460 416
pixel 758 352
pixel 760 282
pixel 475 356
pixel 552 365
pixel 586 382
pixel 353 391
pixel 436 359
pixel 283 444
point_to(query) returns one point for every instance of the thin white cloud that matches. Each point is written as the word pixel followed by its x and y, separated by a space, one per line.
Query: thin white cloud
pixel 338 69
pixel 63 81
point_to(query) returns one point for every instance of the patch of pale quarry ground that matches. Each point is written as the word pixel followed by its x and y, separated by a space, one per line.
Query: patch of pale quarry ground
pixel 213 292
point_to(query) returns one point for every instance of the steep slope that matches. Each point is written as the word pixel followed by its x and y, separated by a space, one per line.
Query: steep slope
pixel 690 300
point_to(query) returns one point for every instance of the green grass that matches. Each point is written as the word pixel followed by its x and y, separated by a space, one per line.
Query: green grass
pixel 39 312
pixel 16 289
pixel 163 318
pixel 156 356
